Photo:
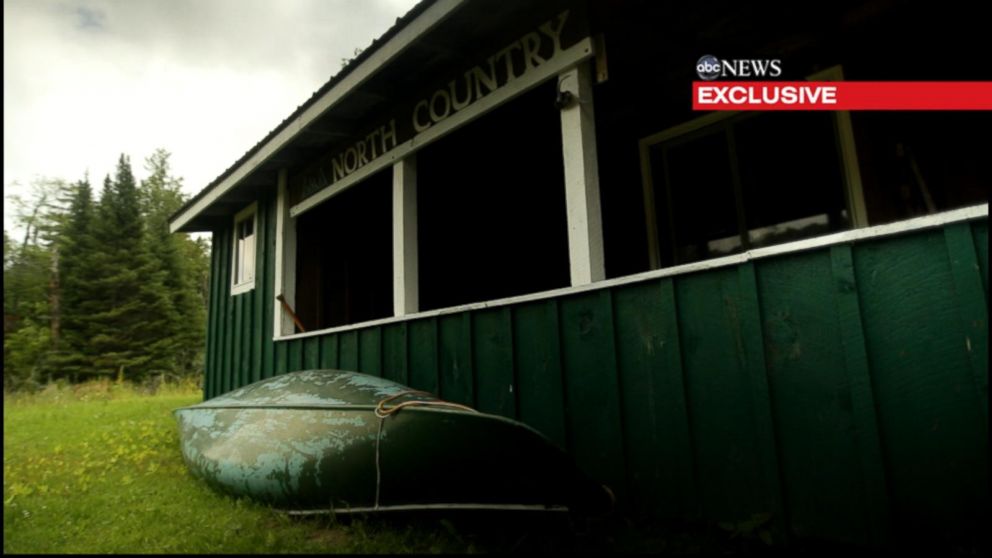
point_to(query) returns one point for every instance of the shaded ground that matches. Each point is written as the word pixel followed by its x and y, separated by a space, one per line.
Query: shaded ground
pixel 560 533
pixel 528 533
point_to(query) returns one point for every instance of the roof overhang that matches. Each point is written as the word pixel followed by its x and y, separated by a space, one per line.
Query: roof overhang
pixel 420 51
pixel 316 122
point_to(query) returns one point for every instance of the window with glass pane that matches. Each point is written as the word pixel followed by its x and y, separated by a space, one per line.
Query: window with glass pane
pixel 751 180
pixel 243 264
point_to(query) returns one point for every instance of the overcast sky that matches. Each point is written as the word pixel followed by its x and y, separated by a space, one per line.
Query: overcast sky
pixel 87 80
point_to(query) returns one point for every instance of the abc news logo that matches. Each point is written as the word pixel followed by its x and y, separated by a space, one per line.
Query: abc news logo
pixel 710 67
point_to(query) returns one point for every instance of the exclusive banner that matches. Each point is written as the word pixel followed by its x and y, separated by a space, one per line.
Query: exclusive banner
pixel 842 95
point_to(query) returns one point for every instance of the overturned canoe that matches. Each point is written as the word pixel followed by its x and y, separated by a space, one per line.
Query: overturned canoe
pixel 330 440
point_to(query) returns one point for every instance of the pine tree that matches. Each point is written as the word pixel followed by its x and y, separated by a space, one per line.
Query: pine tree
pixel 127 330
pixel 103 288
pixel 77 278
pixel 183 329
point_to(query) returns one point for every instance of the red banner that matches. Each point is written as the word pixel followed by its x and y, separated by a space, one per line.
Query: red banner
pixel 842 95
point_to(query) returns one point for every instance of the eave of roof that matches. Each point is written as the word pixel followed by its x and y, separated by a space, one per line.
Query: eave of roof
pixel 356 63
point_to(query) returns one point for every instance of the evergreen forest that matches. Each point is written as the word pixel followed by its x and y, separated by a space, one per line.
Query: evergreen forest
pixel 95 285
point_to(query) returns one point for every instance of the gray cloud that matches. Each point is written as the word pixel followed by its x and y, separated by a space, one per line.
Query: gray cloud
pixel 87 79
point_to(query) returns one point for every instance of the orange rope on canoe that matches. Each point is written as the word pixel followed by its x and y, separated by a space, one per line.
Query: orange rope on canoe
pixel 382 411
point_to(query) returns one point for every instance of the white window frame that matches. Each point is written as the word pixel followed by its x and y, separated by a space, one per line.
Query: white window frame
pixel 853 194
pixel 247 284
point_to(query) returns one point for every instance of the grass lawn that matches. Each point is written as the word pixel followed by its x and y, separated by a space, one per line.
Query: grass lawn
pixel 97 469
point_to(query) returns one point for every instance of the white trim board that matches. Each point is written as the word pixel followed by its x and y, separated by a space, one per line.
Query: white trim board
pixel 849 236
pixel 581 166
pixel 423 23
pixel 566 59
pixel 406 277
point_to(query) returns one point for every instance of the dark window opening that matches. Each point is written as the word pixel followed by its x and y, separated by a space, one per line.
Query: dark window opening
pixel 344 266
pixel 791 176
pixel 491 206
pixel 747 182
pixel 915 164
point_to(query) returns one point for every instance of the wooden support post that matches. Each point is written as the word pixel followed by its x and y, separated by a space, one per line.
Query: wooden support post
pixel 578 136
pixel 405 255
pixel 285 280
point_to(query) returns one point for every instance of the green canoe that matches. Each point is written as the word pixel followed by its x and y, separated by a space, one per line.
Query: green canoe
pixel 331 440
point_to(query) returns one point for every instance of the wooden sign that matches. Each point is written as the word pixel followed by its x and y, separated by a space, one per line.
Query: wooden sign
pixel 527 61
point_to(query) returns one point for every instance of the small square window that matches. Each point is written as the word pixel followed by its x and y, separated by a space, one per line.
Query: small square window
pixel 243 262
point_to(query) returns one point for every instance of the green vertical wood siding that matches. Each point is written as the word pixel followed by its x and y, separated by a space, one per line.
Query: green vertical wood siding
pixel 311 353
pixel 930 412
pixel 980 233
pixel 537 356
pixel 721 412
pixel 492 352
pixel 810 383
pixel 423 351
pixel 227 315
pixel 329 351
pixel 659 451
pixel 455 358
pixel 370 351
pixel 842 389
pixel 395 354
pixel 592 392
pixel 348 350
pixel 295 355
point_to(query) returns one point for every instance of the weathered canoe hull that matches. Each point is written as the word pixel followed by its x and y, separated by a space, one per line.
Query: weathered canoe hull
pixel 315 455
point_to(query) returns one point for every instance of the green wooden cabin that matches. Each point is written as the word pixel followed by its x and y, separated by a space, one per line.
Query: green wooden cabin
pixel 512 205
